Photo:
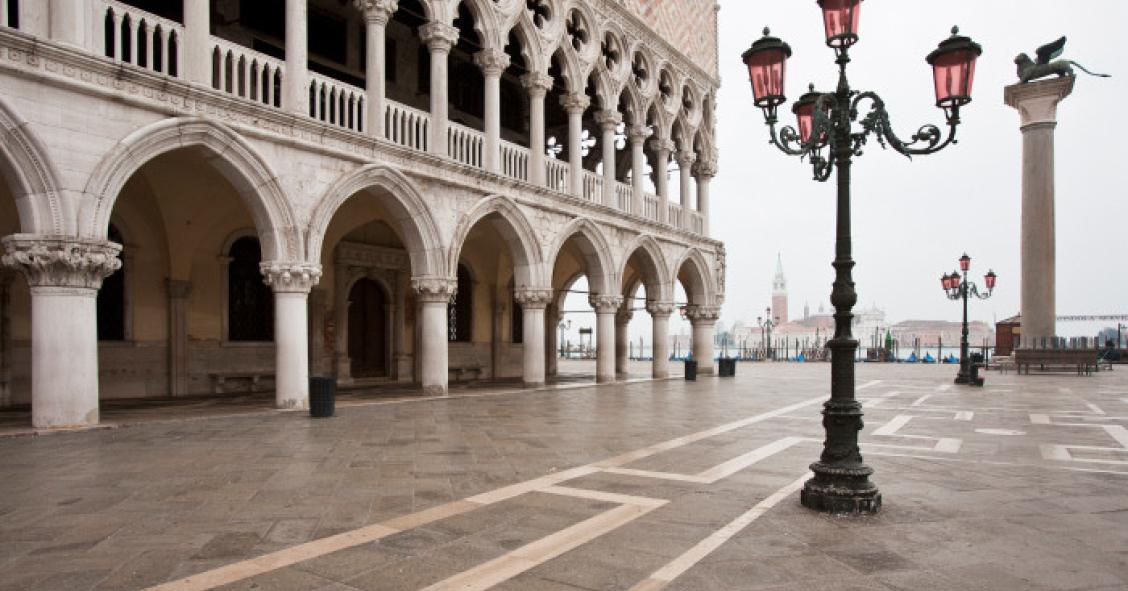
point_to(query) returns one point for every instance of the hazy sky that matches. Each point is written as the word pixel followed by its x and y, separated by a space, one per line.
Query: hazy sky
pixel 912 220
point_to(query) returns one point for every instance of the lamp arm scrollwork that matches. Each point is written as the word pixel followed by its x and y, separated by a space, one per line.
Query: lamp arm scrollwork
pixel 927 140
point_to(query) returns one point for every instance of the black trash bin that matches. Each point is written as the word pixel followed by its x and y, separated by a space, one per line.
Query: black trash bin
pixel 322 395
pixel 726 367
pixel 690 370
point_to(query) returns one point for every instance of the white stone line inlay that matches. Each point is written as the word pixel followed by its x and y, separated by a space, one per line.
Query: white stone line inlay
pixel 720 471
pixel 949 445
pixel 1062 453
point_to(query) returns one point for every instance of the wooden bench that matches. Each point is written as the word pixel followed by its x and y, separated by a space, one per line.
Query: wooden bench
pixel 1083 361
pixel 220 379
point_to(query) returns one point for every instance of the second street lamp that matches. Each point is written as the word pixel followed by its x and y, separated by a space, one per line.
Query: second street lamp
pixel 961 288
pixel 828 138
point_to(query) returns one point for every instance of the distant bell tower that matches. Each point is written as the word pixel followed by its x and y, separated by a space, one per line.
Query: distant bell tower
pixel 779 292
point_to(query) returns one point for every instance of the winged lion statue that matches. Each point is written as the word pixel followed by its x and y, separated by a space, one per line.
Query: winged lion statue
pixel 1045 66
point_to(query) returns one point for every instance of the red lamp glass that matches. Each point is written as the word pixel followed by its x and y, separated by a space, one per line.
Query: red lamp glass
pixel 946 281
pixel 955 280
pixel 953 69
pixel 989 279
pixel 767 69
pixel 804 110
pixel 841 20
pixel 965 262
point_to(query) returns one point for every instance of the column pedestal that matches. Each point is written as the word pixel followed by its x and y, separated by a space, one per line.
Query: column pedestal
pixel 606 307
pixel 291 283
pixel 433 295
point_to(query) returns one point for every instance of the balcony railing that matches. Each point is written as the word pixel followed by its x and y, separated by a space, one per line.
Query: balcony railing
pixel 407 126
pixel 336 103
pixel 593 186
pixel 246 73
pixel 696 222
pixel 514 161
pixel 675 217
pixel 134 36
pixel 650 207
pixel 556 174
pixel 465 144
pixel 624 196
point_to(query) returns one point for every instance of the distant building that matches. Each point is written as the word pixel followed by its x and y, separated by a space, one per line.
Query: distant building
pixel 779 293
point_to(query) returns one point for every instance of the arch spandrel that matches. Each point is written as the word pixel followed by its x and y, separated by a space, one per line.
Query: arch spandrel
pixel 654 272
pixel 514 227
pixel 32 178
pixel 596 250
pixel 693 269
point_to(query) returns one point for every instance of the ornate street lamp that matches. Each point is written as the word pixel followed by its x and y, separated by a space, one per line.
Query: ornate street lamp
pixel 767 325
pixel 831 131
pixel 961 288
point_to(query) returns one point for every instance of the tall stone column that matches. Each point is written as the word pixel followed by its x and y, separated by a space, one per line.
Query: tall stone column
pixel 533 303
pixel 704 322
pixel 402 368
pixel 68 21
pixel 342 364
pixel 296 80
pixel 376 13
pixel 623 340
pixel 608 122
pixel 434 295
pixel 662 149
pixel 606 307
pixel 64 274
pixel 5 337
pixel 552 319
pixel 575 105
pixel 685 166
pixel 291 283
pixel 660 317
pixel 178 376
pixel 493 63
pixel 34 18
pixel 704 170
pixel 196 59
pixel 538 85
pixel 1037 107
pixel 637 135
pixel 440 38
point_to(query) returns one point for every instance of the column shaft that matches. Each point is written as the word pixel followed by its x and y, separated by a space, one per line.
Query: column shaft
pixel 68 21
pixel 178 376
pixel 374 75
pixel 196 64
pixel 685 168
pixel 538 85
pixel 660 319
pixel 295 80
pixel 608 123
pixel 433 295
pixel 605 351
pixel 622 347
pixel 638 135
pixel 439 37
pixel 291 344
pixel 492 155
pixel 703 346
pixel 534 344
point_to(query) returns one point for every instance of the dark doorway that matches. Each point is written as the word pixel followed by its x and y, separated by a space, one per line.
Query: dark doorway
pixel 368 330
pixel 111 299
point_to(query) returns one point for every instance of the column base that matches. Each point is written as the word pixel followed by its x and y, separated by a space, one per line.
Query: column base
pixel 836 489
pixel 435 390
pixel 532 385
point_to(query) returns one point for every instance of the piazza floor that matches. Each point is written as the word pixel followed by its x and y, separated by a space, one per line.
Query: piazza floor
pixel 639 486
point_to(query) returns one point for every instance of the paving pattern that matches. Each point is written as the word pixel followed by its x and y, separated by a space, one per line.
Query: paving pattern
pixel 634 487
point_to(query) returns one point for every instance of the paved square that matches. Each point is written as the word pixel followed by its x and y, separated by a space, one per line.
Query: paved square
pixel 639 487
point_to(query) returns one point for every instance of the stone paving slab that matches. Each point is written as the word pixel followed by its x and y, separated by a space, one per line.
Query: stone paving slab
pixel 1019 485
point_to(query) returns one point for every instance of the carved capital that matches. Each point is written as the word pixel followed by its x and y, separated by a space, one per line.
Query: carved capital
pixel 608 120
pixel 1037 101
pixel 438 36
pixel 660 309
pixel 61 261
pixel 492 61
pixel 575 104
pixel 624 315
pixel 605 304
pixel 377 11
pixel 705 168
pixel 703 314
pixel 179 289
pixel 638 134
pixel 663 145
pixel 686 159
pixel 290 277
pixel 536 83
pixel 532 299
pixel 434 289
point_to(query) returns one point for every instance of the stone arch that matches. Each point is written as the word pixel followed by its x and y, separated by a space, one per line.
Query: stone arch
pixel 655 272
pixel 596 251
pixel 636 105
pixel 514 228
pixel 32 178
pixel 570 68
pixel 531 48
pixel 485 20
pixel 405 204
pixel 231 155
pixel 696 277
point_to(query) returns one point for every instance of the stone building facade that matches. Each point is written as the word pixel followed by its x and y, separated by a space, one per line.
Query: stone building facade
pixel 208 196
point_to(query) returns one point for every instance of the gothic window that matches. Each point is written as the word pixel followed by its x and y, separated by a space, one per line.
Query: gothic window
pixel 111 300
pixel 461 311
pixel 577 30
pixel 250 303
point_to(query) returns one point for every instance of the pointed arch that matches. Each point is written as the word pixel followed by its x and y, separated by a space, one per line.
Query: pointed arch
pixel 531 50
pixel 485 20
pixel 696 277
pixel 405 204
pixel 596 251
pixel 514 227
pixel 230 154
pixel 32 178
pixel 655 273
pixel 570 69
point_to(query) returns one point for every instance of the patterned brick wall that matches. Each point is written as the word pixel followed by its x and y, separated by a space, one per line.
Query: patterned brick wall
pixel 689 25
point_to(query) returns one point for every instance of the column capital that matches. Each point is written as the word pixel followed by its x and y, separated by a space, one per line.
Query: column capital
pixel 377 12
pixel 686 159
pixel 1037 101
pixel 532 298
pixel 536 83
pixel 434 289
pixel 705 168
pixel 61 261
pixel 439 37
pixel 575 104
pixel 178 289
pixel 662 144
pixel 608 120
pixel 624 315
pixel 702 314
pixel 605 304
pixel 637 134
pixel 289 276
pixel 492 61
pixel 660 309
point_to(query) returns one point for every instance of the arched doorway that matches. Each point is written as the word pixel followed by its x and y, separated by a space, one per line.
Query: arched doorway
pixel 368 329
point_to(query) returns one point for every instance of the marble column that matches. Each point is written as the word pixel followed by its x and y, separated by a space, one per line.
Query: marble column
pixel 34 18
pixel 341 362
pixel 291 283
pixel 606 307
pixel 660 317
pixel 178 376
pixel 376 13
pixel 493 63
pixel 196 59
pixel 552 320
pixel 662 150
pixel 5 337
pixel 637 135
pixel 704 171
pixel 402 361
pixel 533 303
pixel 434 295
pixel 575 105
pixel 537 85
pixel 1037 103
pixel 68 21
pixel 704 322
pixel 623 340
pixel 608 122
pixel 295 98
pixel 64 275
pixel 440 38
pixel 685 167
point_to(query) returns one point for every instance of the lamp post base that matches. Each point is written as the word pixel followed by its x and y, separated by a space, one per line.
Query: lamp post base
pixel 838 489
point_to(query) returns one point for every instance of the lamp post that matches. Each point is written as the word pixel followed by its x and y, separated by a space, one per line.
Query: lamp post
pixel 827 137
pixel 767 324
pixel 961 288
pixel 565 326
